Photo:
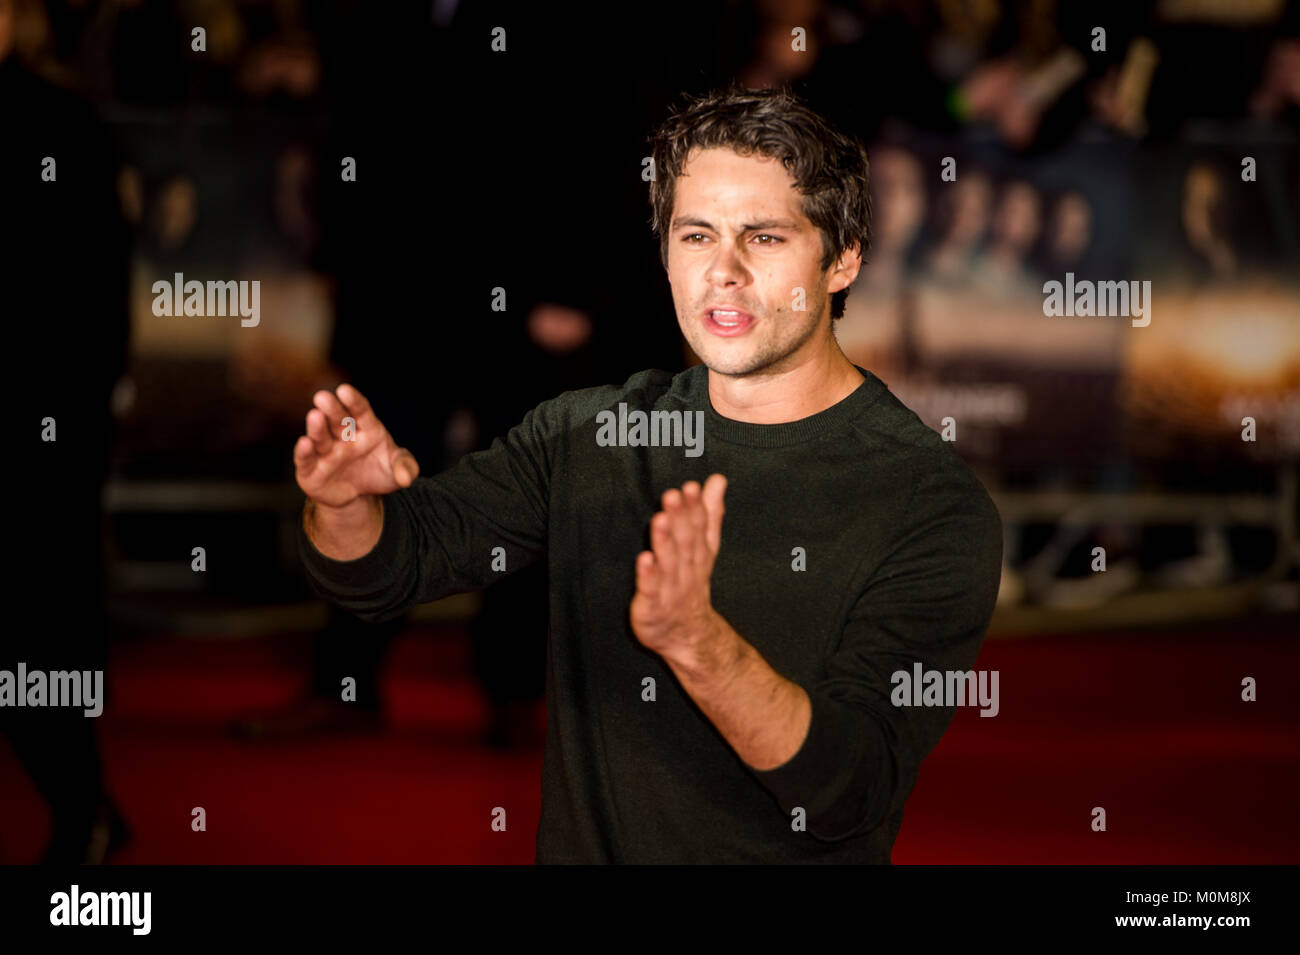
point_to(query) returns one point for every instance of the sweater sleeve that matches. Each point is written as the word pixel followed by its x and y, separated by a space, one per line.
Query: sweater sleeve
pixel 929 602
pixel 453 532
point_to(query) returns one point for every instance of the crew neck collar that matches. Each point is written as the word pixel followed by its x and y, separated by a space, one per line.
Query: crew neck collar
pixel 786 432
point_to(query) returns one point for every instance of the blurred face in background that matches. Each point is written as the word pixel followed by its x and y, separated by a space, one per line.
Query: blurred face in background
pixel 1205 219
pixel 1201 191
pixel 175 212
pixel 972 200
pixel 775 50
pixel 1071 227
pixel 738 236
pixel 25 31
pixel 898 199
pixel 6 28
pixel 1018 223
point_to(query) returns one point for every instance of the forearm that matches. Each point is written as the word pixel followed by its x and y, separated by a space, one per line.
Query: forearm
pixel 764 716
pixel 348 532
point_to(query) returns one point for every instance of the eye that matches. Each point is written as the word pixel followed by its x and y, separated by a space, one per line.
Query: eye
pixel 764 235
pixel 693 235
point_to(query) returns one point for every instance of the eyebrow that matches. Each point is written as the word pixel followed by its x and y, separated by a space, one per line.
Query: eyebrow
pixel 747 227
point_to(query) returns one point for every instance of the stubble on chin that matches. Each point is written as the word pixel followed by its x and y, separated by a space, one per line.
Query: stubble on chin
pixel 739 363
pixel 766 356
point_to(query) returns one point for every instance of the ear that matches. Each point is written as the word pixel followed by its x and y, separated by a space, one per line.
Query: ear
pixel 845 269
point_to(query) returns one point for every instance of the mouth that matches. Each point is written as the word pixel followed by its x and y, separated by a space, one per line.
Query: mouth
pixel 725 321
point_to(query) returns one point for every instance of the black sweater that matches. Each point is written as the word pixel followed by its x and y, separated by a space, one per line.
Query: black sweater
pixel 902 548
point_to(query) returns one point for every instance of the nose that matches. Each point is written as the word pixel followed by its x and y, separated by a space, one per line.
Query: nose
pixel 728 268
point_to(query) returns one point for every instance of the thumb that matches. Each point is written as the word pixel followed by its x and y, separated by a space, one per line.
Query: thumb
pixel 404 467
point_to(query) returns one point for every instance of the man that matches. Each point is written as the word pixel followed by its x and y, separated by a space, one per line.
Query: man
pixel 719 688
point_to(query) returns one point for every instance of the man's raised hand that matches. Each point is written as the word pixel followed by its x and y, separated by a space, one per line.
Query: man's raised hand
pixel 337 461
pixel 672 610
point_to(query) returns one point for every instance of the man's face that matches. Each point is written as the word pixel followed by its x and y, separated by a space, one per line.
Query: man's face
pixel 738 238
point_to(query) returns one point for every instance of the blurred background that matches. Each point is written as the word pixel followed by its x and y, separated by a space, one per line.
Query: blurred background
pixel 463 231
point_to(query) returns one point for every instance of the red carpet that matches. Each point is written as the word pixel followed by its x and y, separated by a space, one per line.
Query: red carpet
pixel 1149 726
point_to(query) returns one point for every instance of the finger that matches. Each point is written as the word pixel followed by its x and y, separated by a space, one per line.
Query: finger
pixel 358 406
pixel 715 488
pixel 698 515
pixel 683 531
pixel 405 467
pixel 304 456
pixel 661 542
pixel 690 496
pixel 647 574
pixel 332 409
pixel 319 433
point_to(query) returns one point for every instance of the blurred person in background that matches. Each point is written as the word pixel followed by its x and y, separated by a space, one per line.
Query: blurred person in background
pixel 877 328
pixel 414 201
pixel 1208 252
pixel 357 232
pixel 774 57
pixel 1069 234
pixel 1215 252
pixel 67 304
pixel 558 351
pixel 899 204
pixel 1004 268
pixel 962 216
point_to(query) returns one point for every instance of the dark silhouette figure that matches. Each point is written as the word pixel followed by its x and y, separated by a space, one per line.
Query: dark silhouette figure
pixel 67 330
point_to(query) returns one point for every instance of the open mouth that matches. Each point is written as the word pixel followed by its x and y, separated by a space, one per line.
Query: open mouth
pixel 727 321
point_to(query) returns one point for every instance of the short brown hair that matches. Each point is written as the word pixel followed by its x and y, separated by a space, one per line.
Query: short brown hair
pixel 829 168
